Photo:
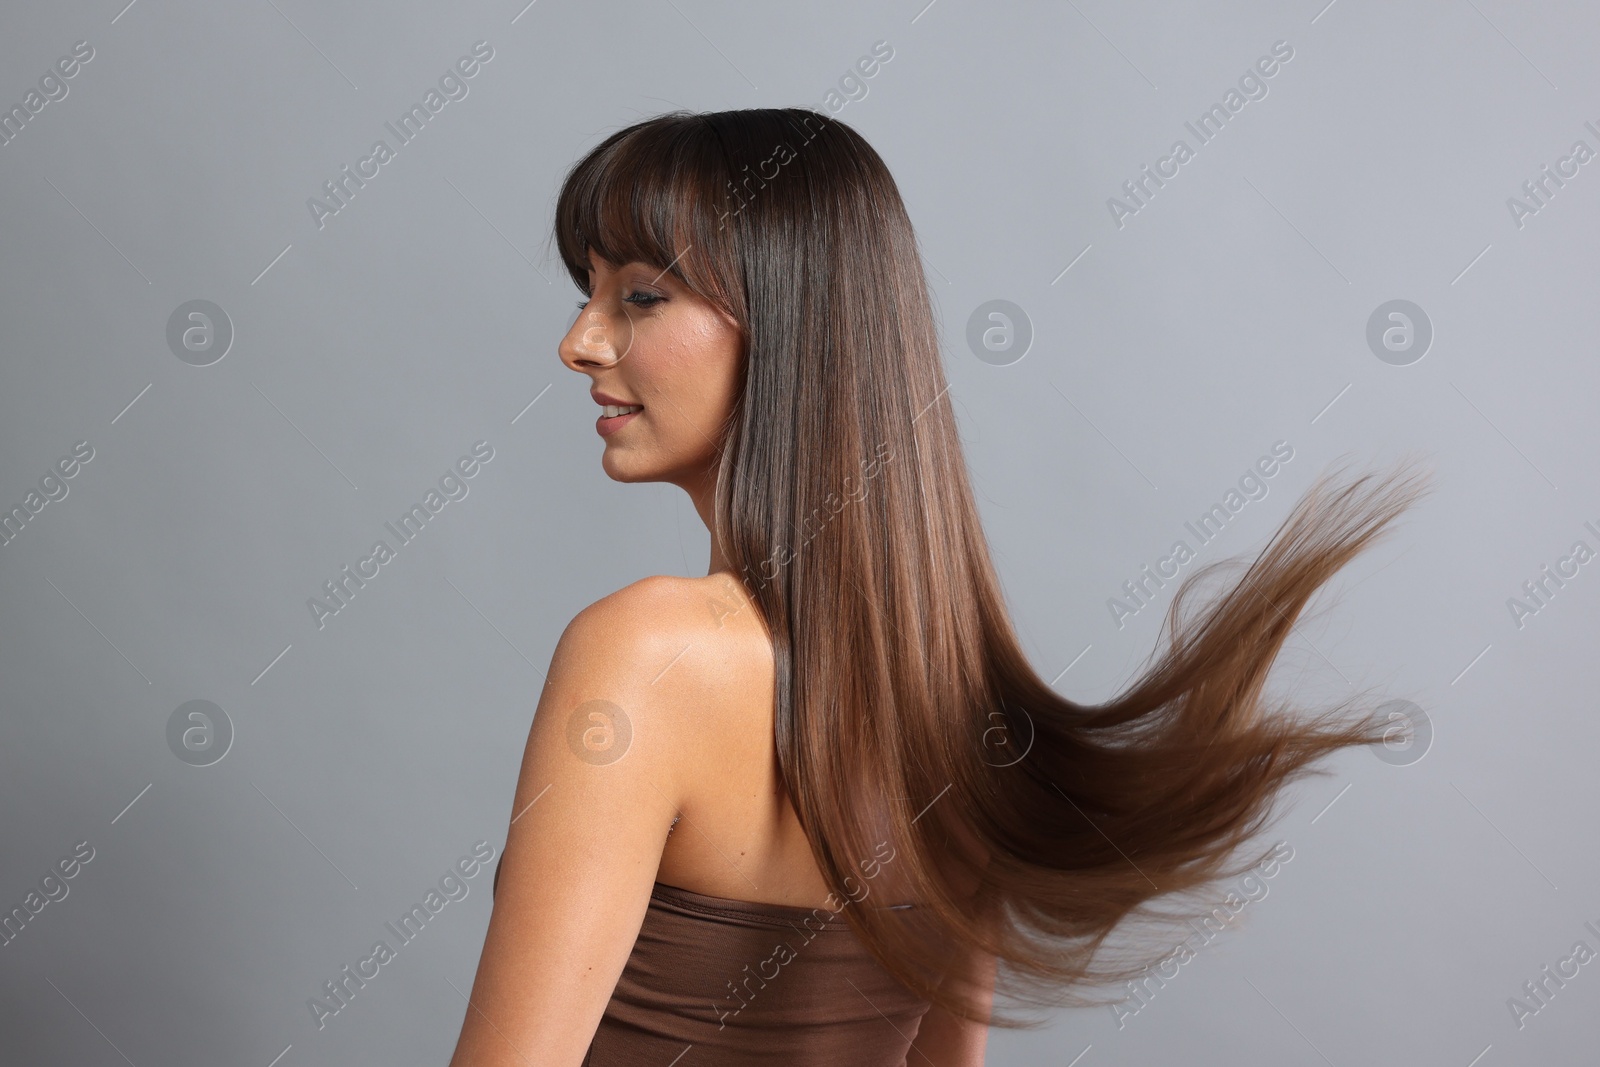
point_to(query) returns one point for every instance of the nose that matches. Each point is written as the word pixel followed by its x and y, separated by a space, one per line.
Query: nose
pixel 596 340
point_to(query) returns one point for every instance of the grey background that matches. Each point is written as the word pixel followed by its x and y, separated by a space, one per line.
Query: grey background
pixel 1228 314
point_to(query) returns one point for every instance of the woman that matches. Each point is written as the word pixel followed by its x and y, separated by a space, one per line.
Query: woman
pixel 800 809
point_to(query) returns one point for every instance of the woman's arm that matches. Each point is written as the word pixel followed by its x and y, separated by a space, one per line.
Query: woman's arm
pixel 584 844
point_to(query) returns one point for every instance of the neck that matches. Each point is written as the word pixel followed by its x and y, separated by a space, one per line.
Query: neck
pixel 702 492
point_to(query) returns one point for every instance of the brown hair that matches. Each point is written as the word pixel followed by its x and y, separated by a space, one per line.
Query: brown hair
pixel 1029 826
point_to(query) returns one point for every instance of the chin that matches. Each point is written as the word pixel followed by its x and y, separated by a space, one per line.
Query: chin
pixel 620 467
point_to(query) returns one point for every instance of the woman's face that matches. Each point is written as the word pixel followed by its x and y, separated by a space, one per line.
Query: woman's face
pixel 643 338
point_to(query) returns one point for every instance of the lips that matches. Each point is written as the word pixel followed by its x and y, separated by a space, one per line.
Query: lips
pixel 610 424
pixel 615 412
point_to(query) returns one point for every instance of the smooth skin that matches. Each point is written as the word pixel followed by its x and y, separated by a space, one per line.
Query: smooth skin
pixel 690 666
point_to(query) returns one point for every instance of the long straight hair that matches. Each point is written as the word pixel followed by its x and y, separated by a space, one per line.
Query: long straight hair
pixel 1026 825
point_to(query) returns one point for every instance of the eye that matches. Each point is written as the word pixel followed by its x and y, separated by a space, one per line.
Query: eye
pixel 640 299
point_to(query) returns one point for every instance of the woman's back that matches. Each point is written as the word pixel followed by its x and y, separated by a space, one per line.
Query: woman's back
pixel 737 836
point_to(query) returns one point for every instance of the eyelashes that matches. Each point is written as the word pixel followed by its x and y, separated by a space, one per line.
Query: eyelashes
pixel 638 300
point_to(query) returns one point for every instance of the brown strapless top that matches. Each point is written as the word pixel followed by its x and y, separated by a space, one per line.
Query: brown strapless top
pixel 714 982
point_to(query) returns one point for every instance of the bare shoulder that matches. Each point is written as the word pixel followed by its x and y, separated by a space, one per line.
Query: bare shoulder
pixel 668 612
pixel 695 602
pixel 670 640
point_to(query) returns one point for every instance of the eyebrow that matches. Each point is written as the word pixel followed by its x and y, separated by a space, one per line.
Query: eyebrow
pixel 656 273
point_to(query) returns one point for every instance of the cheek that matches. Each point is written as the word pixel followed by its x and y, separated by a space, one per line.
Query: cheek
pixel 699 369
pixel 687 372
pixel 718 356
